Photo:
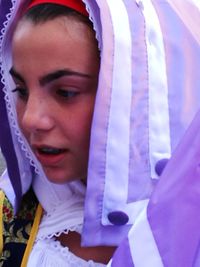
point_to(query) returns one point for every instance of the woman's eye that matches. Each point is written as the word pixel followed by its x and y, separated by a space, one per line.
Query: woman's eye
pixel 67 93
pixel 21 92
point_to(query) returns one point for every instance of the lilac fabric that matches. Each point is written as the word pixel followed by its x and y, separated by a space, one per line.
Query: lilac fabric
pixel 5 5
pixel 122 256
pixel 4 9
pixel 6 141
pixel 174 207
pixel 182 70
pixel 173 211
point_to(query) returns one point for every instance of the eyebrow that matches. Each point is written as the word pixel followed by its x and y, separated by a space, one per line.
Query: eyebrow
pixel 59 74
pixel 16 75
pixel 50 77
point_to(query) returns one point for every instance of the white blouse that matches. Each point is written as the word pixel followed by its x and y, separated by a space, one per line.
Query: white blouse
pixel 50 253
pixel 62 214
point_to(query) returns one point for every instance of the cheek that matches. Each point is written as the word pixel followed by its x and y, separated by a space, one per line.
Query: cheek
pixel 86 132
pixel 80 125
pixel 20 112
pixel 20 109
pixel 81 130
pixel 86 120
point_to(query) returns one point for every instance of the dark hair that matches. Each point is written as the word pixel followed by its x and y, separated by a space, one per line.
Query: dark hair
pixel 44 12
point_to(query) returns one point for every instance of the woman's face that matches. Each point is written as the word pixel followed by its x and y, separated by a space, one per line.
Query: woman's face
pixel 55 69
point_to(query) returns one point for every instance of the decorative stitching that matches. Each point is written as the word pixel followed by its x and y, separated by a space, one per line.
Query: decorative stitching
pixel 76 228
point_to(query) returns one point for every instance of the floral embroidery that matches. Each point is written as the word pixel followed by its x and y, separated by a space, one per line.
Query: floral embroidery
pixel 7 210
pixel 17 229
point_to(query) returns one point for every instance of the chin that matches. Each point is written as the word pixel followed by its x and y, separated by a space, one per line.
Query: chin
pixel 59 177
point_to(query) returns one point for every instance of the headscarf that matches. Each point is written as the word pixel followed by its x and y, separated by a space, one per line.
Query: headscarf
pixel 73 4
pixel 148 93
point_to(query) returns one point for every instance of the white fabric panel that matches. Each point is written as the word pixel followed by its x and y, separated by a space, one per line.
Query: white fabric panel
pixel 142 244
pixel 118 134
pixel 159 132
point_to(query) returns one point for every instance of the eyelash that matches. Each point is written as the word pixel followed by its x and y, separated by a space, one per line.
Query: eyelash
pixel 66 93
pixel 23 93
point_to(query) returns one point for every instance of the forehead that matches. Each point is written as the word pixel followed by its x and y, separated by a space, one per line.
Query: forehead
pixel 62 25
pixel 61 39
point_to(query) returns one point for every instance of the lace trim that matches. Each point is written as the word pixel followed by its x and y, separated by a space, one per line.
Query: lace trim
pixel 71 258
pixel 56 245
pixel 52 253
pixel 95 26
pixel 76 228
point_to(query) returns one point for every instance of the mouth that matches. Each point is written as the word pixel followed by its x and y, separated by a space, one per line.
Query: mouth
pixel 50 156
pixel 50 151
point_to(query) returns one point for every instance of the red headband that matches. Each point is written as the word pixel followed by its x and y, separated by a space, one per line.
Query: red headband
pixel 77 5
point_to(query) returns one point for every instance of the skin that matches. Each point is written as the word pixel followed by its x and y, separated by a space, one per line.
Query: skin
pixel 55 111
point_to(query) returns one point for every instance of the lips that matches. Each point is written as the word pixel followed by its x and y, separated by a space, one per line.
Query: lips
pixel 48 155
pixel 50 151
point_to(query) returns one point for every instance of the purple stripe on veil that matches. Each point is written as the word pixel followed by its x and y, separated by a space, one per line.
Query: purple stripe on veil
pixel 5 5
pixel 140 184
pixel 6 141
pixel 8 151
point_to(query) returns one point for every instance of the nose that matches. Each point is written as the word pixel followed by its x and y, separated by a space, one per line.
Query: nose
pixel 37 115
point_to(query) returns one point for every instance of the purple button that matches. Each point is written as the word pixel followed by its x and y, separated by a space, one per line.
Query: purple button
pixel 160 165
pixel 118 217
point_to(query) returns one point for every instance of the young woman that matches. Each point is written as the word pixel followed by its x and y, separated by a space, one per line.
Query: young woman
pixel 91 110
